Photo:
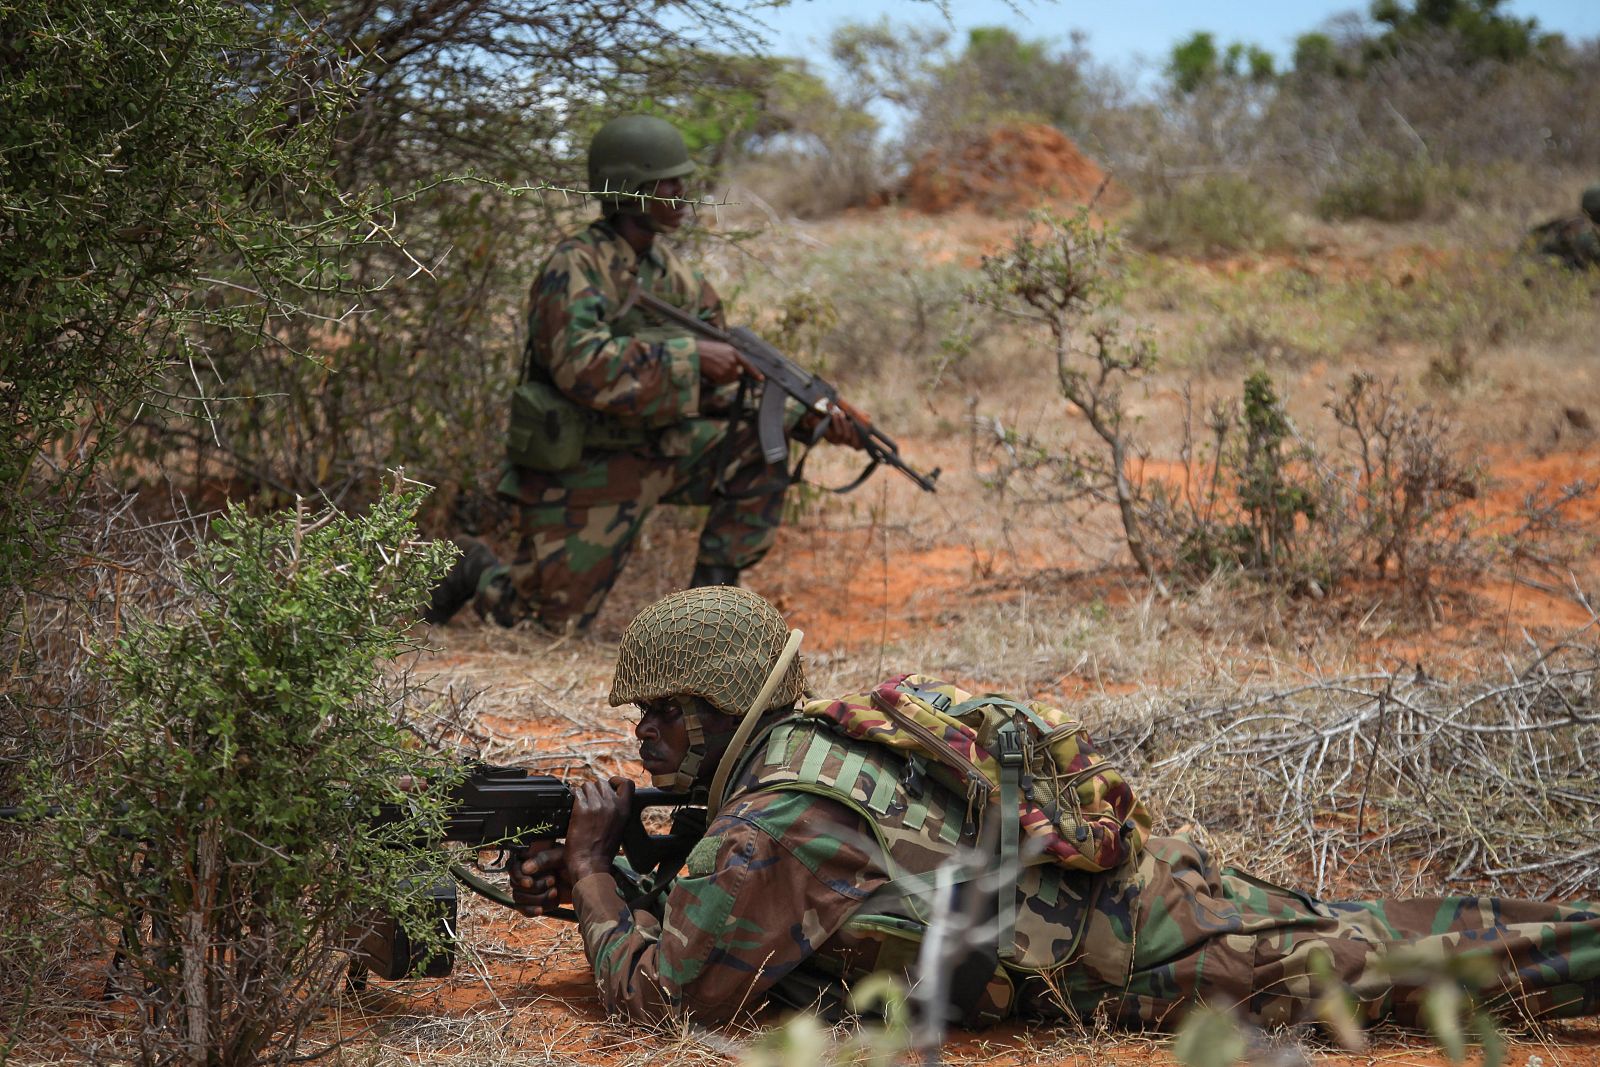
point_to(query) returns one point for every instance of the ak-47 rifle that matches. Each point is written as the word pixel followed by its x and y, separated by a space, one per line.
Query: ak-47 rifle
pixel 505 809
pixel 782 378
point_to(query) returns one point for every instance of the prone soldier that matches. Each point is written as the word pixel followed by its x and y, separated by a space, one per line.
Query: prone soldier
pixel 830 821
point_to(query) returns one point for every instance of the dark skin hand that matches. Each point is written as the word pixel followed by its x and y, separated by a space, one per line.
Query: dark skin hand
pixel 542 879
pixel 841 430
pixel 719 363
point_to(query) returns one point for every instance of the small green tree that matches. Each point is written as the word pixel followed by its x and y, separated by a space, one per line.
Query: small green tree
pixel 1272 496
pixel 1481 29
pixel 228 837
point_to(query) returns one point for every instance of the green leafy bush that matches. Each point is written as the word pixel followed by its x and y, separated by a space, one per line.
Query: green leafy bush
pixel 134 157
pixel 1389 189
pixel 1219 213
pixel 226 838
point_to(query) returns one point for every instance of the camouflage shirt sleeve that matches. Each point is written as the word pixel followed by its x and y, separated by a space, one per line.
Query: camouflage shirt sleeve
pixel 581 289
pixel 775 876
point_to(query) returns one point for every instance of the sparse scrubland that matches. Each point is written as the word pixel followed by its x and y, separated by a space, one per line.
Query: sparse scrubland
pixel 1267 448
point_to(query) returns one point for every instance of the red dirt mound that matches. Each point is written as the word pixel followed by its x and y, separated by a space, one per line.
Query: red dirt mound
pixel 1002 169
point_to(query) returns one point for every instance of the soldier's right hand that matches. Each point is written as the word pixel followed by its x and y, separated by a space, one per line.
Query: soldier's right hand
pixel 538 880
pixel 719 363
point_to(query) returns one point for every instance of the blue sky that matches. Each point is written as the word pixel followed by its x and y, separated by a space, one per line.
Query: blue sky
pixel 1122 31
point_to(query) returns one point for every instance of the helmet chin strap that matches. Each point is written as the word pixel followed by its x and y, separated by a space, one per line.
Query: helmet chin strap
pixel 702 726
pixel 730 755
pixel 687 774
pixel 682 779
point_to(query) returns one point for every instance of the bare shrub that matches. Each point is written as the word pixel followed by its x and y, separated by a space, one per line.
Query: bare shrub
pixel 1398 503
pixel 1381 501
pixel 53 707
pixel 1057 275
pixel 1252 494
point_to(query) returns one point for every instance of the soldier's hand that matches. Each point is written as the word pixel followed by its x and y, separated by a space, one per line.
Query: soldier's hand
pixel 599 815
pixel 719 363
pixel 539 879
pixel 842 427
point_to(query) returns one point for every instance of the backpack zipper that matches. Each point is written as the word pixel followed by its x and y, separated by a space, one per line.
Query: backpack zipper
pixel 937 747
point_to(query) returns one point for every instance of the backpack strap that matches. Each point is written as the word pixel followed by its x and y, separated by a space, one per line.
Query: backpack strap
pixel 1016 707
pixel 1009 753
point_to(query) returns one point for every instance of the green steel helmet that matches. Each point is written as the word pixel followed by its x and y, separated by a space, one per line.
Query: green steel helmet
pixel 1591 203
pixel 717 643
pixel 632 151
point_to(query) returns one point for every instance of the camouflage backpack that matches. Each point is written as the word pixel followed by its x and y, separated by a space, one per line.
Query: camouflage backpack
pixel 1005 755
pixel 932 770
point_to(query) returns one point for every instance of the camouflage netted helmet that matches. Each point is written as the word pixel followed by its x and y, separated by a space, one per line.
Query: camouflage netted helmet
pixel 629 153
pixel 1591 202
pixel 717 643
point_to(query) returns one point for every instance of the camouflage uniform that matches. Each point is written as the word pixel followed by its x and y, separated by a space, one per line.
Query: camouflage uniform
pixel 1574 241
pixel 578 525
pixel 800 886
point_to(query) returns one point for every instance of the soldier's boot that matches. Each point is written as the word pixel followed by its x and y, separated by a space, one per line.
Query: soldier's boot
pixel 460 584
pixel 497 599
pixel 713 574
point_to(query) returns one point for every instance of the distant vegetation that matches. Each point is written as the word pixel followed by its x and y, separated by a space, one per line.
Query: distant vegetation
pixel 1421 92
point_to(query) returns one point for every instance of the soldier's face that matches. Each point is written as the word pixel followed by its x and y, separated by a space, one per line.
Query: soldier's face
pixel 669 211
pixel 663 735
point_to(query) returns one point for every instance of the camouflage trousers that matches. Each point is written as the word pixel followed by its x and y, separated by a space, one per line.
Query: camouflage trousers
pixel 1234 942
pixel 579 526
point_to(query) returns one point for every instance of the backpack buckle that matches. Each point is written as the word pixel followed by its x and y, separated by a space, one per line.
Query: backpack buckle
pixel 1009 745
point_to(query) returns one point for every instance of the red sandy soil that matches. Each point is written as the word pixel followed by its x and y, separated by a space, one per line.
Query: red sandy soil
pixel 878 589
pixel 1005 168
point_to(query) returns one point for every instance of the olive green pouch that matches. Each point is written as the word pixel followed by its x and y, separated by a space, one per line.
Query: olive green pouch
pixel 546 429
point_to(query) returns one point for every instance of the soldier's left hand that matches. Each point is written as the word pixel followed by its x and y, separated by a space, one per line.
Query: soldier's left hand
pixel 842 428
pixel 599 816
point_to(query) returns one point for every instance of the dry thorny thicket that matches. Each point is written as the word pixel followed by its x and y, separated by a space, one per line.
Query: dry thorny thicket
pixel 1389 781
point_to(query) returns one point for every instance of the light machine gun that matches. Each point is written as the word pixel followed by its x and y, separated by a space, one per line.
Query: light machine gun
pixel 784 378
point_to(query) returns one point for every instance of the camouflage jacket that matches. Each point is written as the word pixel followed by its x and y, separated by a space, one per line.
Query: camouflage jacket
pixel 799 887
pixel 1575 241
pixel 581 329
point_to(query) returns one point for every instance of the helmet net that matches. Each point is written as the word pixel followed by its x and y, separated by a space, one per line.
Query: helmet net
pixel 717 643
